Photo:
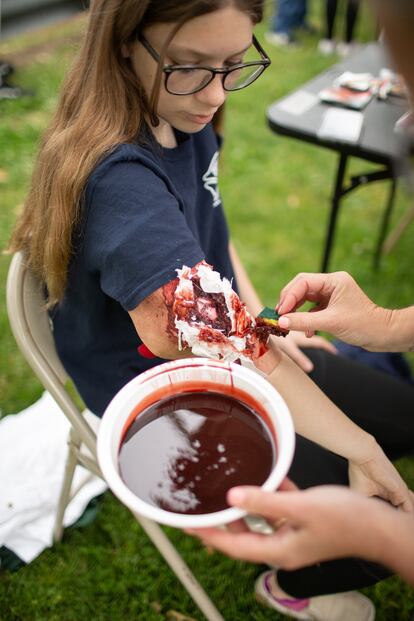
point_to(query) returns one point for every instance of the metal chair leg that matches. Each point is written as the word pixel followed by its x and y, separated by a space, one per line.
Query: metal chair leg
pixel 180 568
pixel 64 498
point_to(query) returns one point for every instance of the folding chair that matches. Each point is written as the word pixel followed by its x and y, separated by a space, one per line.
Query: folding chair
pixel 32 330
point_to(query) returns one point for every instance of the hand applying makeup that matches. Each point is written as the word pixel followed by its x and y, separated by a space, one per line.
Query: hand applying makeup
pixel 344 310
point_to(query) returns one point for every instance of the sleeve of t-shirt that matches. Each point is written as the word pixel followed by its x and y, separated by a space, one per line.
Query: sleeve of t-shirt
pixel 136 235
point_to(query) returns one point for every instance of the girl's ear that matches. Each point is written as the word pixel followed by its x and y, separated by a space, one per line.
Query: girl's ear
pixel 125 51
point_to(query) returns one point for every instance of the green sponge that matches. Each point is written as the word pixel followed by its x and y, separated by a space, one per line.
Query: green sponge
pixel 267 319
pixel 269 316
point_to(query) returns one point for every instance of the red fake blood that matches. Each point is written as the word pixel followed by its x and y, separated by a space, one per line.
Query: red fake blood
pixel 145 352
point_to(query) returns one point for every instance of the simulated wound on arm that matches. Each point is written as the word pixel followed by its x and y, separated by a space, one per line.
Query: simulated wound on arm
pixel 205 317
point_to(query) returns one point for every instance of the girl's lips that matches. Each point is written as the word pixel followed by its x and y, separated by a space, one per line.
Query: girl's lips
pixel 201 119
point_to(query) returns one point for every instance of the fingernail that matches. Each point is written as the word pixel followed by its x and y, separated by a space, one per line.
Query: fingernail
pixel 236 495
pixel 284 322
pixel 308 367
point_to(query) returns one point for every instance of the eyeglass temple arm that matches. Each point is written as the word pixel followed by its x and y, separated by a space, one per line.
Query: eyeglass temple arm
pixel 261 50
pixel 148 46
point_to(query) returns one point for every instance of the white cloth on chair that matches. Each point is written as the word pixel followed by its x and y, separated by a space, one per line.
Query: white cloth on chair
pixel 33 450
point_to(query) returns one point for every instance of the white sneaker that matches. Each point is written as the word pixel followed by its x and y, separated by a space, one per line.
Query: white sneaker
pixel 280 39
pixel 338 607
pixel 326 47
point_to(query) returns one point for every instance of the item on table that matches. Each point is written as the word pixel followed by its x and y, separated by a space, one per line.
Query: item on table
pixel 210 318
pixel 349 98
pixel 360 82
pixel 341 125
pixel 389 83
pixel 355 90
pixel 399 89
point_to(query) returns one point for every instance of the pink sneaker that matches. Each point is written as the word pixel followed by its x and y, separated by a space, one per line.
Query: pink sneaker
pixel 337 607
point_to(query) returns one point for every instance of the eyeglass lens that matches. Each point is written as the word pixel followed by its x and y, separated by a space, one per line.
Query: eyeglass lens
pixel 186 81
pixel 238 78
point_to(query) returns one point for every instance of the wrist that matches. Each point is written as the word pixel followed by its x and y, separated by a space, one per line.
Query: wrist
pixel 269 361
pixel 364 449
pixel 390 330
pixel 400 333
pixel 377 543
pixel 395 530
pixel 376 328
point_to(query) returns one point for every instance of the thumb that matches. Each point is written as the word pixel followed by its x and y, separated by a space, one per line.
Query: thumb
pixel 270 505
pixel 303 322
pixel 287 485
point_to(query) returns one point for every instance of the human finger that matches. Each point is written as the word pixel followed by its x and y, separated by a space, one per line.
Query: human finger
pixel 238 526
pixel 291 286
pixel 270 505
pixel 402 499
pixel 308 322
pixel 287 485
pixel 298 356
pixel 303 287
pixel 253 547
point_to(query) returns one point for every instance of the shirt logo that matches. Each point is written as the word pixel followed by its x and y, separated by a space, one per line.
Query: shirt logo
pixel 210 179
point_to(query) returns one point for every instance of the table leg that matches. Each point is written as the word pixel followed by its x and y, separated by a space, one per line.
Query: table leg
pixel 334 210
pixel 384 224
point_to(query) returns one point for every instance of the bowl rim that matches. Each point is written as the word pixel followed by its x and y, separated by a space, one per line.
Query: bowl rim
pixel 285 434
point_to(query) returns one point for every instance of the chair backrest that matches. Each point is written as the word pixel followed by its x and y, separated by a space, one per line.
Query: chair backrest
pixel 32 329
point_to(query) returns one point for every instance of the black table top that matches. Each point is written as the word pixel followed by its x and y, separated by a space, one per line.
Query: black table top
pixel 378 141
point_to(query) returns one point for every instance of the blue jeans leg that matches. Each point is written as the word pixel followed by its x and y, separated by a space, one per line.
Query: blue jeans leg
pixel 289 14
pixel 302 14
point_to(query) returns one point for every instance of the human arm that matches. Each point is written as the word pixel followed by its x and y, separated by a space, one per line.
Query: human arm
pixel 315 416
pixel 290 344
pixel 345 311
pixel 153 323
pixel 318 419
pixel 152 317
pixel 318 524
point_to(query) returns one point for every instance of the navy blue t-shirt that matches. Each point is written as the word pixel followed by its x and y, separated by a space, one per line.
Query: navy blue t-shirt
pixel 147 211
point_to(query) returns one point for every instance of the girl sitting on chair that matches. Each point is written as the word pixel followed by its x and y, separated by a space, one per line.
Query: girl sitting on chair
pixel 125 192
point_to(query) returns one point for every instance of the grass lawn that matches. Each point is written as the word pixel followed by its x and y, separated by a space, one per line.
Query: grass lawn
pixel 276 192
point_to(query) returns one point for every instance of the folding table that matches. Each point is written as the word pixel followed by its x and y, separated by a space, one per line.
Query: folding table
pixel 300 114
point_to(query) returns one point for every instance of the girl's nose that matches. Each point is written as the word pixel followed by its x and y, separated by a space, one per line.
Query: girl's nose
pixel 213 94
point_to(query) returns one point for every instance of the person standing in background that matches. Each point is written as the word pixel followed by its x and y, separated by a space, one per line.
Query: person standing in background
pixel 328 45
pixel 289 15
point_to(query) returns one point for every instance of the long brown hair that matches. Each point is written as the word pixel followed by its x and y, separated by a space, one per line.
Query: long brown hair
pixel 102 104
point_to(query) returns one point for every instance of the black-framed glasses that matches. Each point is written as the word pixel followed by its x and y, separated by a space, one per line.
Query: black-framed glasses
pixel 189 79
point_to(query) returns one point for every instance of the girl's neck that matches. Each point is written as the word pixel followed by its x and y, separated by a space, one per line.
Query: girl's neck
pixel 164 134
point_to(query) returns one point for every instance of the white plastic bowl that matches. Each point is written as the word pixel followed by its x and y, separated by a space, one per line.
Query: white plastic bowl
pixel 141 392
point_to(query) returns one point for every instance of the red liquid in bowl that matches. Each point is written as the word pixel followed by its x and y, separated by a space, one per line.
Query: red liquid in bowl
pixel 184 452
